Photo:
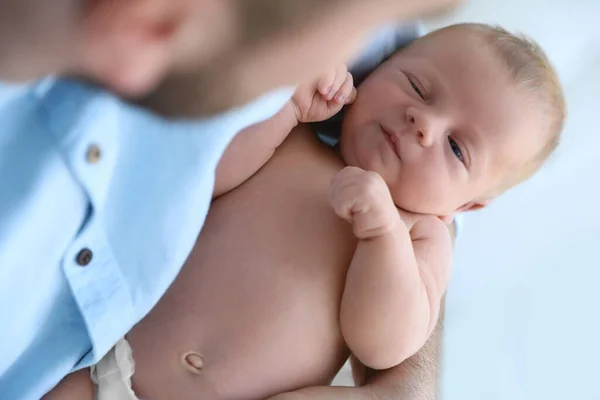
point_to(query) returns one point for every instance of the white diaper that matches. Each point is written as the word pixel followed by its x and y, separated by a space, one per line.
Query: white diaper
pixel 112 375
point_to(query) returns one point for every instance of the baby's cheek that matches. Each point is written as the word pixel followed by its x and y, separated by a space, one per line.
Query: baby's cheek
pixel 402 194
pixel 419 191
pixel 376 93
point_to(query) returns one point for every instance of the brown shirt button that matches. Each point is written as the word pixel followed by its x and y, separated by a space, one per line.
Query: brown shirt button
pixel 84 257
pixel 93 154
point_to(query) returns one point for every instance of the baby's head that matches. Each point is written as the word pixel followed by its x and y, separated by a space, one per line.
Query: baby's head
pixel 456 118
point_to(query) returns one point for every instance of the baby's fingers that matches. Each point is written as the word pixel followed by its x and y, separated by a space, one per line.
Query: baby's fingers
pixel 331 83
pixel 347 93
pixel 325 85
pixel 341 75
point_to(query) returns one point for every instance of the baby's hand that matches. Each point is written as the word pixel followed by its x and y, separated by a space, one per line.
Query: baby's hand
pixel 324 98
pixel 363 199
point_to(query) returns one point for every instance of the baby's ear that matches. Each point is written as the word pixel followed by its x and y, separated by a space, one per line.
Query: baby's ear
pixel 447 219
pixel 128 44
pixel 474 205
pixel 470 206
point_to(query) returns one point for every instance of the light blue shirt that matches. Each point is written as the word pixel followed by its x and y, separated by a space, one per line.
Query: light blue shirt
pixel 79 169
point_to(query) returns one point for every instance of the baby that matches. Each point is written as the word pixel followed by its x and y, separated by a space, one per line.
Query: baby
pixel 310 254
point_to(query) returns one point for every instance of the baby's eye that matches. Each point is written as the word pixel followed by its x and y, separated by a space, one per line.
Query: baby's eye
pixel 416 89
pixel 456 149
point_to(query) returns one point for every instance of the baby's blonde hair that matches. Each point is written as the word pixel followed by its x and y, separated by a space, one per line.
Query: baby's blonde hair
pixel 530 69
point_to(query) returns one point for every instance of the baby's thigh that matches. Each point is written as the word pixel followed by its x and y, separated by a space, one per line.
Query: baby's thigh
pixel 76 386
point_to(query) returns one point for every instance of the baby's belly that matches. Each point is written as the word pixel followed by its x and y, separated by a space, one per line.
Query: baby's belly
pixel 259 297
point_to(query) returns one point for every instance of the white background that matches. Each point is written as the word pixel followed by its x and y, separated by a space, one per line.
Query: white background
pixel 522 320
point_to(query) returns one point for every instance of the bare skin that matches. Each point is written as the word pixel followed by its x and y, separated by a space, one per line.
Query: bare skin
pixel 283 263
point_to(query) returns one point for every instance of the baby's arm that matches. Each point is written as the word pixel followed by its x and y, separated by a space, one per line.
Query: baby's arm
pixel 254 146
pixel 397 277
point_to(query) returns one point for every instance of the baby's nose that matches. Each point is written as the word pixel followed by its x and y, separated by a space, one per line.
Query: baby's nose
pixel 424 137
pixel 422 125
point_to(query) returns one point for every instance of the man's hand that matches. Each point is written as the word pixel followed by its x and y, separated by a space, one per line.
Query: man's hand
pixel 415 379
pixel 322 99
pixel 363 199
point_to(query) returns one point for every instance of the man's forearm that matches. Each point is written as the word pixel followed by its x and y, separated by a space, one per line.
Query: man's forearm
pixel 416 378
pixel 327 393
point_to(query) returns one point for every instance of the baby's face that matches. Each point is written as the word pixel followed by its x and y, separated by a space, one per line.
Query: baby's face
pixel 442 124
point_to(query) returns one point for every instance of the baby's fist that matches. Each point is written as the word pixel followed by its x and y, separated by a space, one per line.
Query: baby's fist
pixel 363 199
pixel 322 99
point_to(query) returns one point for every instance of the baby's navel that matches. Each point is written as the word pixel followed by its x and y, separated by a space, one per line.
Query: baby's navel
pixel 193 362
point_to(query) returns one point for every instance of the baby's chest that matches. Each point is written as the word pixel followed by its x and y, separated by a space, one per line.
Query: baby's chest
pixel 283 215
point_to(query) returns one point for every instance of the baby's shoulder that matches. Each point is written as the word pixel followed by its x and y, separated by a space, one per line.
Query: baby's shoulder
pixel 431 229
pixel 433 247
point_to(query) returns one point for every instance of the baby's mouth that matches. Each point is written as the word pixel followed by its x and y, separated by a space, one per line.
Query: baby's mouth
pixel 392 140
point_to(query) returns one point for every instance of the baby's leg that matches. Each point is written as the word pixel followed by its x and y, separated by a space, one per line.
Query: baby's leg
pixel 76 386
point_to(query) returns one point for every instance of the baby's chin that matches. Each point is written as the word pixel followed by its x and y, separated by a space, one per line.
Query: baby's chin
pixel 345 151
pixel 415 205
